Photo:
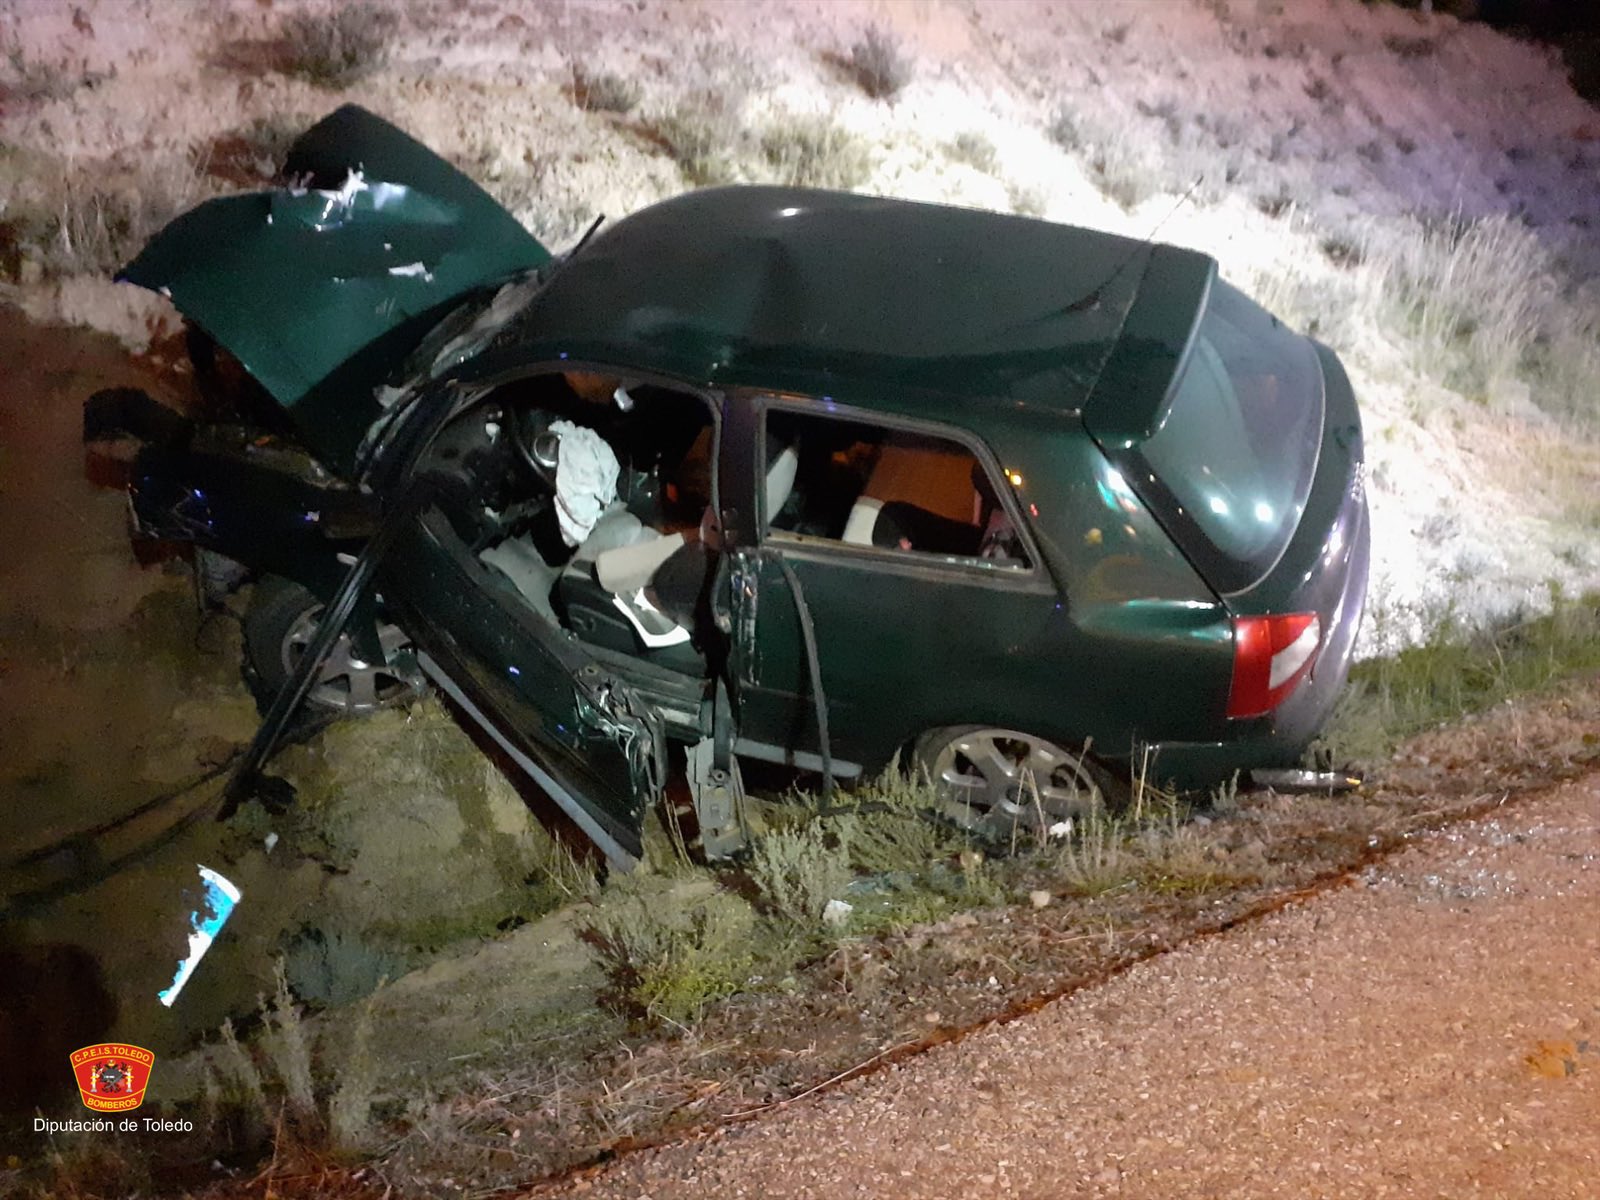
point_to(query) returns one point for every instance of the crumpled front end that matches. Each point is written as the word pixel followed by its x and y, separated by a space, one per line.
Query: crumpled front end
pixel 320 290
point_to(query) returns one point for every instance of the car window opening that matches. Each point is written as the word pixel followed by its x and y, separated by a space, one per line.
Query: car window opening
pixel 894 489
pixel 591 496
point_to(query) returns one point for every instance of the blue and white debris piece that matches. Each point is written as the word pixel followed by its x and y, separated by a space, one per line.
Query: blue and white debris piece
pixel 220 897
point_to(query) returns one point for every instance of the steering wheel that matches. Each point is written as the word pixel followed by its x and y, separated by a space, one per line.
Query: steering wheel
pixel 537 447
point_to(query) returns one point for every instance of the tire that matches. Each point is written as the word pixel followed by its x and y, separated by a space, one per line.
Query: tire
pixel 280 622
pixel 1002 783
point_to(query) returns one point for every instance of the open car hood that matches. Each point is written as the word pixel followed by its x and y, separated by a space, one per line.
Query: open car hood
pixel 320 290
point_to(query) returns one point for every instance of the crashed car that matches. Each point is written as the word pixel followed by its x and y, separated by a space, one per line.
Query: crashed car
pixel 759 474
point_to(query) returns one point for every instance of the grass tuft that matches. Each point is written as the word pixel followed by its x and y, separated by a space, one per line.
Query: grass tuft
pixel 798 871
pixel 703 133
pixel 1459 670
pixel 350 1105
pixel 815 152
pixel 1472 292
pixel 666 962
pixel 335 49
pixel 284 1040
pixel 976 150
pixel 604 91
pixel 880 64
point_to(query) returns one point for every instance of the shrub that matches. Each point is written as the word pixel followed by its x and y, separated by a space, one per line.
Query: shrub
pixel 704 134
pixel 1064 129
pixel 880 65
pixel 815 152
pixel 668 963
pixel 604 91
pixel 333 967
pixel 974 149
pixel 336 48
pixel 797 872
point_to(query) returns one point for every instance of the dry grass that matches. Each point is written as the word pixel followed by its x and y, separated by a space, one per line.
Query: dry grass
pixel 1471 292
pixel 90 219
pixel 604 91
pixel 336 48
pixel 976 150
pixel 815 152
pixel 880 64
pixel 704 132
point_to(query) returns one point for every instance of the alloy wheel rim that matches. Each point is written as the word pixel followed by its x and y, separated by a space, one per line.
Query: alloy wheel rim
pixel 1005 778
pixel 347 683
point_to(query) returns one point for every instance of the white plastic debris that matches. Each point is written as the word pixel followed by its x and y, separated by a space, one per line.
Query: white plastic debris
pixel 1060 830
pixel 586 479
pixel 1039 898
pixel 837 912
pixel 270 841
pixel 204 925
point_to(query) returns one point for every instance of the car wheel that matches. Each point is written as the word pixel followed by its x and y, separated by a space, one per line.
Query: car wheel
pixel 279 625
pixel 998 782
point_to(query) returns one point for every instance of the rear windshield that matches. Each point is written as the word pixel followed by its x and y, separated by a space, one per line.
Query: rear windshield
pixel 1235 455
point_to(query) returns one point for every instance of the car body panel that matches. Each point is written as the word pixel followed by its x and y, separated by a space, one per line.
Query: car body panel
pixel 530 681
pixel 320 291
pixel 791 289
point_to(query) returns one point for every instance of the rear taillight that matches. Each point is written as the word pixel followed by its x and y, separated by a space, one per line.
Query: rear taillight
pixel 1270 656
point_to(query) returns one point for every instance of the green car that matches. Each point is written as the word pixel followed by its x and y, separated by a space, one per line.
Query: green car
pixel 758 474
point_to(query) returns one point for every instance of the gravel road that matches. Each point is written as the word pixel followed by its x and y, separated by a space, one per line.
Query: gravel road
pixel 1431 1030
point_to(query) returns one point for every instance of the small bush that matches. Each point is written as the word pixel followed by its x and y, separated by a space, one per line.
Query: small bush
pixel 880 65
pixel 1065 129
pixel 604 91
pixel 815 152
pixel 798 872
pixel 705 134
pixel 336 48
pixel 34 81
pixel 974 149
pixel 1095 858
pixel 1028 201
pixel 1126 173
pixel 332 967
pixel 667 964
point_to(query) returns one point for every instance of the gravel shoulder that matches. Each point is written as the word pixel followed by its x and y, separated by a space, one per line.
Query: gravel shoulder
pixel 1430 1030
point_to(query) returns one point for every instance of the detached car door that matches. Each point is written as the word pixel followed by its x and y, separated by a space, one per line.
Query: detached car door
pixel 929 604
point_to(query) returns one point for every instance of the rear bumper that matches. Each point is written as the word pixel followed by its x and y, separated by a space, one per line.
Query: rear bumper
pixel 1278 740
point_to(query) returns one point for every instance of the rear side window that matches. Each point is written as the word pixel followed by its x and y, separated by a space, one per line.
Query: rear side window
pixel 1235 455
pixel 894 489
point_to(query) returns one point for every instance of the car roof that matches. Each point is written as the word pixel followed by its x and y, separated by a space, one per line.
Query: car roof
pixel 880 302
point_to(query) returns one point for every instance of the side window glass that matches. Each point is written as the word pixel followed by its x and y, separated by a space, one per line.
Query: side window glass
pixel 869 485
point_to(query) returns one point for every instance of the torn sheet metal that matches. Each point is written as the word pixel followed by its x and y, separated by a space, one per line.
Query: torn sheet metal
pixel 320 290
pixel 218 901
